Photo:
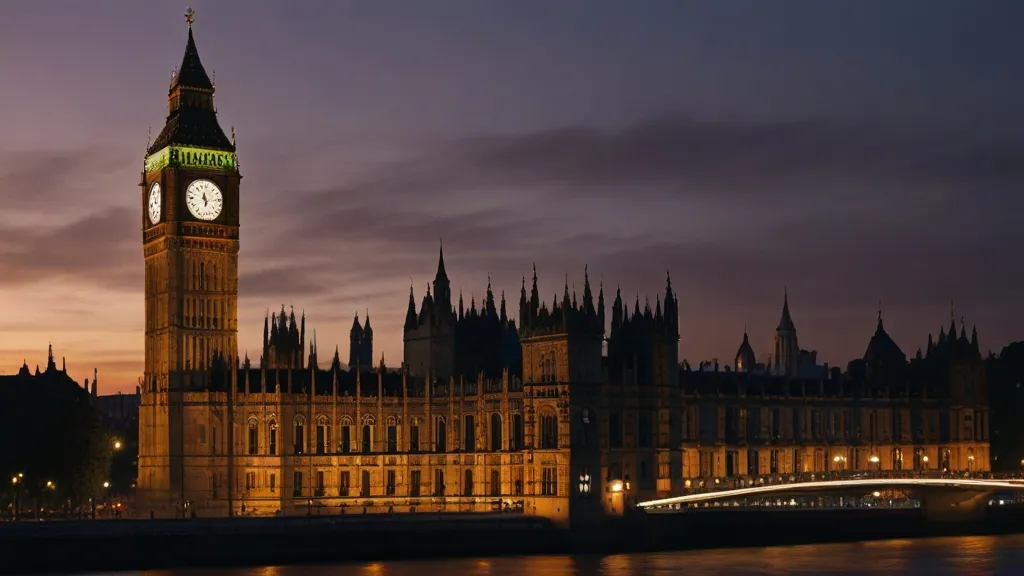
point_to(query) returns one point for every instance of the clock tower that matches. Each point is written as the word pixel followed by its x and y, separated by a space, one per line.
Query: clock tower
pixel 189 220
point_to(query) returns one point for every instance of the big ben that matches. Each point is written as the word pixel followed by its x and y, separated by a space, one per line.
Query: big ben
pixel 190 236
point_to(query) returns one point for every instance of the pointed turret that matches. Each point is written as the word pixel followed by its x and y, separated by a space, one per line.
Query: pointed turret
pixel 588 296
pixel 786 322
pixel 442 287
pixel 489 307
pixel 745 359
pixel 410 313
pixel 355 340
pixel 502 315
pixel 786 356
pixel 974 341
pixel 192 116
pixel 523 311
pixel 600 308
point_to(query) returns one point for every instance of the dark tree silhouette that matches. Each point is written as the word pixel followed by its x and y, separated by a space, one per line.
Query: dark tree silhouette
pixel 51 434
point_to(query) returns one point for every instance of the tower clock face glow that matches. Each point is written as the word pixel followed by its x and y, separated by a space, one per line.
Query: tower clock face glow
pixel 204 200
pixel 155 203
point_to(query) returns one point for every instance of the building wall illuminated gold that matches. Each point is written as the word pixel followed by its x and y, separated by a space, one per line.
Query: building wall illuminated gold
pixel 486 413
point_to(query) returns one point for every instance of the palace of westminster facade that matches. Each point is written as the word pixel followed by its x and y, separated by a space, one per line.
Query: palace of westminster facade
pixel 557 413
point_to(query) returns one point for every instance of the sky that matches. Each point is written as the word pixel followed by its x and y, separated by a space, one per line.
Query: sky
pixel 849 153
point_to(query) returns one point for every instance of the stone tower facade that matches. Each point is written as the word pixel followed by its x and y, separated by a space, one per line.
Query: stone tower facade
pixel 562 376
pixel 190 238
pixel 360 343
pixel 429 335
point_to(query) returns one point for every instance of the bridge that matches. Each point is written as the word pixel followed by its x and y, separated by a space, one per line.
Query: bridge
pixel 941 498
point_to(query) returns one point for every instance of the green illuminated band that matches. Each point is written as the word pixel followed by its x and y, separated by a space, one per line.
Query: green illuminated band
pixel 188 157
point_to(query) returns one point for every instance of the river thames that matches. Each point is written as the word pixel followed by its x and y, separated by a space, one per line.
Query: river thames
pixel 980 555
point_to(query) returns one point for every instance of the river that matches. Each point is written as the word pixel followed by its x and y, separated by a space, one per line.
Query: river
pixel 981 555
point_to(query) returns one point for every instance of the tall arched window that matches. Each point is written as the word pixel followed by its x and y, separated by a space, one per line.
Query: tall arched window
pixel 467 484
pixel 272 438
pixel 345 444
pixel 469 433
pixel 392 434
pixel 367 435
pixel 495 482
pixel 441 436
pixel 323 434
pixel 254 437
pixel 548 431
pixel 300 435
pixel 495 431
pixel 515 438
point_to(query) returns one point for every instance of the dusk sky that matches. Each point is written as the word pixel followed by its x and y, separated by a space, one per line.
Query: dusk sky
pixel 850 151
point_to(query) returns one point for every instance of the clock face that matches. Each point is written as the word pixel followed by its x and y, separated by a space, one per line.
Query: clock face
pixel 155 203
pixel 204 200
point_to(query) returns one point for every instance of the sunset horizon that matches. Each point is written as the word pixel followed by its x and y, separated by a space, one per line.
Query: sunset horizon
pixel 397 134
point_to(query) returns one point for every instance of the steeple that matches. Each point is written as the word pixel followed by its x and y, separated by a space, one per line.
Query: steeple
pixel 442 287
pixel 410 313
pixel 786 322
pixel 191 114
pixel 588 296
pixel 786 356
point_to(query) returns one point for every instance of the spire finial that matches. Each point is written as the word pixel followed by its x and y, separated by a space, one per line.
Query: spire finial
pixel 149 137
pixel 879 310
pixel 190 17
pixel 232 134
pixel 952 311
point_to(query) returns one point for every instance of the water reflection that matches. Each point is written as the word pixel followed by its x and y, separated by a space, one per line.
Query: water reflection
pixel 932 557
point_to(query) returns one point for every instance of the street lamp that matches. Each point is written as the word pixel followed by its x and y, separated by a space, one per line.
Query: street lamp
pixel 117 444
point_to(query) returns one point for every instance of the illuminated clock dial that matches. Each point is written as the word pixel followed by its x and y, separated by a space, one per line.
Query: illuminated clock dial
pixel 155 203
pixel 204 200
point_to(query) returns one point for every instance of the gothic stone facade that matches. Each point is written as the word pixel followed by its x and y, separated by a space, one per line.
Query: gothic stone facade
pixel 484 413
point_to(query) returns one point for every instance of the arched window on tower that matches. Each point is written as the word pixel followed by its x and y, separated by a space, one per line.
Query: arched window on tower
pixel 392 434
pixel 254 437
pixel 345 444
pixel 323 434
pixel 367 435
pixel 441 436
pixel 300 434
pixel 272 438
pixel 495 431
pixel 495 482
pixel 548 431
pixel 202 275
pixel 467 484
pixel 515 437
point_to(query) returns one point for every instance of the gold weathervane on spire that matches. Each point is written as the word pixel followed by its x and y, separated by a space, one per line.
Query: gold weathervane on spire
pixel 190 16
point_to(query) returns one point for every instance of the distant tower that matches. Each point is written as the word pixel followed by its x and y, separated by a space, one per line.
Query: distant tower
pixel 429 335
pixel 355 344
pixel 786 359
pixel 366 348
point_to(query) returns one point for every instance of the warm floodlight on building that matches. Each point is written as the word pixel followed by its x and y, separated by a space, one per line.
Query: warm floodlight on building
pixel 874 459
pixel 617 486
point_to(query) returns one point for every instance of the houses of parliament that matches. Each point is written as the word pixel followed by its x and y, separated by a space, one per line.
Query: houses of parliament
pixel 558 411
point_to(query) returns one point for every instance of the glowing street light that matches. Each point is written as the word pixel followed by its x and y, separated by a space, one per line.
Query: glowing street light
pixel 106 484
pixel 117 444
